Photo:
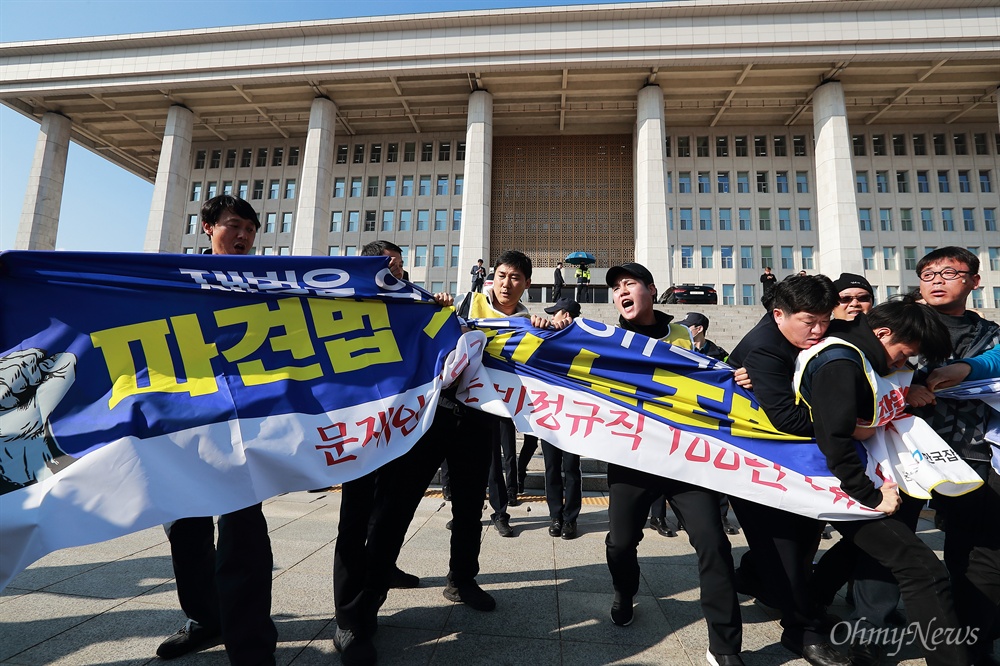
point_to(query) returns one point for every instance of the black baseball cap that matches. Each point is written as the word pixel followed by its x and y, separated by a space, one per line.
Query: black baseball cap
pixel 695 319
pixel 567 304
pixel 635 270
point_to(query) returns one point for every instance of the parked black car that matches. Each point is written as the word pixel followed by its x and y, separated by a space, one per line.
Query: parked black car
pixel 690 293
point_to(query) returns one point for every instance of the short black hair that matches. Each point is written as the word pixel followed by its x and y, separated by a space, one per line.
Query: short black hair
pixel 814 294
pixel 213 209
pixel 376 248
pixel 517 260
pixel 913 323
pixel 950 252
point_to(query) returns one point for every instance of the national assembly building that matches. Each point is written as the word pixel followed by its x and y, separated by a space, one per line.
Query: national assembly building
pixel 706 139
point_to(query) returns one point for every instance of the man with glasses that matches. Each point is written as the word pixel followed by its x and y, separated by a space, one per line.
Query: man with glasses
pixel 856 296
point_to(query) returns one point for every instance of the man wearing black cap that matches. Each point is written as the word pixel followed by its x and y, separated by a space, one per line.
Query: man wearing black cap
pixel 631 492
pixel 856 296
pixel 697 323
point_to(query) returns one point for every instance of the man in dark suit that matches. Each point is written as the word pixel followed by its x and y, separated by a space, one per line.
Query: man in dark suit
pixel 557 281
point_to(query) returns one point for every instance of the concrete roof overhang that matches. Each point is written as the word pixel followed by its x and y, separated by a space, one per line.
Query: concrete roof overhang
pixel 572 70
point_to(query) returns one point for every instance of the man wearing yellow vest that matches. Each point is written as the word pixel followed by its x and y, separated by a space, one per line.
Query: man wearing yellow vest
pixel 632 491
pixel 583 283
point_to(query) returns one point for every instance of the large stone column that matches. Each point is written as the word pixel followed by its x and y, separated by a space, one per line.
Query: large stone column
pixel 651 248
pixel 166 212
pixel 43 197
pixel 837 214
pixel 475 238
pixel 312 213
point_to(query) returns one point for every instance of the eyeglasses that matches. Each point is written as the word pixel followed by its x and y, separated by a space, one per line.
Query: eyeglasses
pixel 947 274
pixel 863 298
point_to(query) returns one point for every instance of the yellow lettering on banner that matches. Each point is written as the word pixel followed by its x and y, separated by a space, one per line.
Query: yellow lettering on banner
pixel 526 347
pixel 496 343
pixel 750 421
pixel 683 408
pixel 438 321
pixel 582 369
pixel 259 320
pixel 334 317
pixel 152 336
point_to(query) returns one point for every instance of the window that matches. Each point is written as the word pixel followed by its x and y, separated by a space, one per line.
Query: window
pixel 805 223
pixel 746 256
pixel 943 185
pixel 906 219
pixel 211 189
pixel 740 145
pixel 459 185
pixel 425 186
pixel 964 184
pixel 666 147
pixel 878 145
pixel 338 188
pixel 764 218
pixel 766 256
pixel 196 191
pixel 784 219
pixel 440 219
pixel 227 187
pixel 351 251
pixel 704 182
pixel 923 182
pixel 802 182
pixel 723 182
pixel 985 182
pixel 762 182
pixel 427 151
pixel 868 258
pixel 728 294
pixel 460 151
pixel 390 186
pixel 902 182
pixel 994 253
pixel 910 258
pixel 359 153
pixel 865 219
pixel 376 154
pixel 444 152
pixel 969 219
pixel 404 219
pixel 726 256
pixel 293 156
pixel 807 257
pixel 683 146
pixel 372 190
pixel 858 145
pixel 334 250
pixel 706 256
pixel 947 219
pixel 456 219
pixel 342 154
pixel 277 157
pixel 940 144
pixel 748 297
pixel 705 219
pixel 745 223
pixel 787 259
pixel 686 216
pixel 919 144
pixel 216 160
pixel 990 222
pixel 241 189
pixel 781 146
pixel 192 225
pixel 889 258
pixel 286 222
pixel 423 216
pixel 454 256
pixel 392 153
pixel 420 255
pixel 199 159
pixel 409 151
pixel 885 219
pixel 725 219
pixel 959 141
pixel 861 181
pixel 882 182
pixel 437 256
pixel 269 221
pixel 702 146
pixel 258 189
pixel 977 298
pixel 388 217
pixel 981 145
pixel 898 144
pixel 781 182
pixel 262 157
pixel 927 219
pixel 353 217
pixel 684 182
pixel 406 190
pixel 742 182
pixel 290 188
pixel 760 146
pixel 722 146
pixel 687 256
pixel 799 146
pixel 442 185
pixel 231 158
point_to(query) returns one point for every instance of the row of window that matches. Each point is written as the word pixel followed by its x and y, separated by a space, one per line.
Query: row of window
pixel 437 255
pixel 442 186
pixel 724 184
pixel 723 218
pixel 392 220
pixel 740 146
pixel 923 183
pixel 277 157
pixel 373 153
pixel 274 189
pixel 955 143
pixel 748 294
pixel 928 220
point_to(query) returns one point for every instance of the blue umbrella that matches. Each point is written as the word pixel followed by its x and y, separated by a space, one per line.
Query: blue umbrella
pixel 579 258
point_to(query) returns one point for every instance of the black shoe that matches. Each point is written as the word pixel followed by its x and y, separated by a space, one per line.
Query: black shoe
pixel 569 530
pixel 520 487
pixel 724 659
pixel 729 529
pixel 448 525
pixel 555 529
pixel 446 492
pixel 400 580
pixel 192 637
pixel 512 499
pixel 818 654
pixel 354 650
pixel 621 610
pixel 661 526
pixel 865 654
pixel 827 533
pixel 502 523
pixel 471 595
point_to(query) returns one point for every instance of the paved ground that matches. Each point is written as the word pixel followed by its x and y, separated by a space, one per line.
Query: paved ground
pixel 112 603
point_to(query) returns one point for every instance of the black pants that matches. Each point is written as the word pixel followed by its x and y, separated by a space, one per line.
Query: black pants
pixel 564 499
pixel 782 545
pixel 227 587
pixel 503 465
pixel 556 292
pixel 582 292
pixel 528 448
pixel 355 596
pixel 631 493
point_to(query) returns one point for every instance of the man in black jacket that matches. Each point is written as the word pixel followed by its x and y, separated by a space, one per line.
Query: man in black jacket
pixel 697 323
pixel 557 282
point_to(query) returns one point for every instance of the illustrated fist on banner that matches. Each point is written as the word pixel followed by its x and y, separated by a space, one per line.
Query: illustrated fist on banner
pixel 31 385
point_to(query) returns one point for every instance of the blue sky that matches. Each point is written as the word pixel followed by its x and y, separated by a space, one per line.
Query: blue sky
pixel 105 208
